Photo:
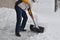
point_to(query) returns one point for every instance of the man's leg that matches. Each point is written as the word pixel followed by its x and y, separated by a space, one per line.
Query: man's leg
pixel 18 23
pixel 25 18
pixel 19 16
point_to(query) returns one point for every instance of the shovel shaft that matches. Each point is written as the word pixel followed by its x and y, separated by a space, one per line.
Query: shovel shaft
pixel 34 23
pixel 30 13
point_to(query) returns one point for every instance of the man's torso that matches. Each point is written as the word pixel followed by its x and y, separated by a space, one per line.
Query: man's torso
pixel 25 4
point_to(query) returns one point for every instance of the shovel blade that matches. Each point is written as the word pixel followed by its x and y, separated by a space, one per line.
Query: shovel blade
pixel 35 29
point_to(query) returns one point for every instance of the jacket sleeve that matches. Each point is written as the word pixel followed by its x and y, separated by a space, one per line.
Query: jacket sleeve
pixel 30 12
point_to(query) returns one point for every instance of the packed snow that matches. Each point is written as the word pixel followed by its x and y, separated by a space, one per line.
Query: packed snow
pixel 44 15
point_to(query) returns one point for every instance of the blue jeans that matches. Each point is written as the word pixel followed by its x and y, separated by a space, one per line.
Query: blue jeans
pixel 20 13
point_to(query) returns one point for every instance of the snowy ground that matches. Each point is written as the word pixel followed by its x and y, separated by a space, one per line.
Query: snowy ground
pixel 44 15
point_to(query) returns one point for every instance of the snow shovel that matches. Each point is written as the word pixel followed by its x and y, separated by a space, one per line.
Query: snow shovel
pixel 33 28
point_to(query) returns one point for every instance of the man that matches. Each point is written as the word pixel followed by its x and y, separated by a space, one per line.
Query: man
pixel 20 7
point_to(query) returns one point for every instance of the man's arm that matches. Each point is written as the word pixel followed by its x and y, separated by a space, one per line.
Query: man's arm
pixel 30 12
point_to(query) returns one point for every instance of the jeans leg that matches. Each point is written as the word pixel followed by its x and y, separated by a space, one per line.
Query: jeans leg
pixel 19 17
pixel 25 18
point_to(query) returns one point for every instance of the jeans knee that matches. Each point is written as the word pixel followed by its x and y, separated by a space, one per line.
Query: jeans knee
pixel 26 18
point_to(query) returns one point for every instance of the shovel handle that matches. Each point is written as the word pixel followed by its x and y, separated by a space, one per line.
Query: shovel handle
pixel 30 13
pixel 34 23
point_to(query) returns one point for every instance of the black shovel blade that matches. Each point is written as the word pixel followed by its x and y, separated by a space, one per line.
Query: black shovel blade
pixel 35 29
pixel 41 29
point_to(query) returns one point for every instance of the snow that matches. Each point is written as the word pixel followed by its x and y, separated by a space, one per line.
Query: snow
pixel 7 26
pixel 45 16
